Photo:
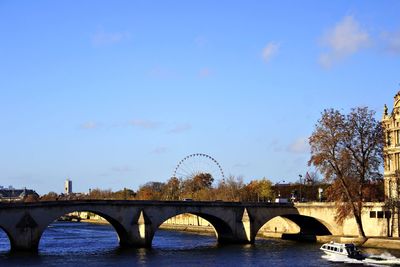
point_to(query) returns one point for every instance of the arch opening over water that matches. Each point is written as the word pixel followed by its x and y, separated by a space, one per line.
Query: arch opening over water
pixel 179 230
pixel 214 225
pixel 81 230
pixel 294 226
pixel 5 243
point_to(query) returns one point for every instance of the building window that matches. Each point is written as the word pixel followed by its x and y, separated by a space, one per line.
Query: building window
pixel 397 138
pixel 372 214
pixel 388 214
pixel 386 165
pixel 379 214
pixel 397 158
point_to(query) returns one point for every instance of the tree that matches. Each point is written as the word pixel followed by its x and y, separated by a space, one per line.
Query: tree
pixel 202 181
pixel 31 198
pixel 250 191
pixel 51 196
pixel 230 189
pixel 172 189
pixel 198 187
pixel 151 191
pixel 347 150
pixel 264 189
pixel 124 194
pixel 258 190
pixel 98 193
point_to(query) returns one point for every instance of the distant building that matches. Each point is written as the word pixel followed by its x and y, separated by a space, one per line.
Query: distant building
pixel 391 125
pixel 68 187
pixel 11 194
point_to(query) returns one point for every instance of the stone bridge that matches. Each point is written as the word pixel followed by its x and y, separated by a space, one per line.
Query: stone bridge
pixel 137 221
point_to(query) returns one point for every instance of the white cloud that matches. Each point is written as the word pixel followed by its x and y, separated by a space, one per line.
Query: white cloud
pixel 144 124
pixel 392 42
pixel 299 146
pixel 181 128
pixel 269 51
pixel 345 39
pixel 90 125
pixel 109 38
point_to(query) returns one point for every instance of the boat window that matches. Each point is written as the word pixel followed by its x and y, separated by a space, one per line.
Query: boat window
pixel 341 250
pixel 380 214
pixel 335 249
pixel 372 214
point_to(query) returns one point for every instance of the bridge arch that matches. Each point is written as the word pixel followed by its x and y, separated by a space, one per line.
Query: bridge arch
pixel 5 240
pixel 117 226
pixel 222 229
pixel 300 225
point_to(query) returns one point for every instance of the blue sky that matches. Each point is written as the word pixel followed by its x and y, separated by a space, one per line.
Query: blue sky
pixel 113 94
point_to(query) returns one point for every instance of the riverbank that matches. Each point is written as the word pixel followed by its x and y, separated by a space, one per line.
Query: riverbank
pixel 188 228
pixel 371 242
pixel 95 221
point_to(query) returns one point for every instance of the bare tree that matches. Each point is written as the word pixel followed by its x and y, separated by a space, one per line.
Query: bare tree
pixel 229 189
pixel 347 150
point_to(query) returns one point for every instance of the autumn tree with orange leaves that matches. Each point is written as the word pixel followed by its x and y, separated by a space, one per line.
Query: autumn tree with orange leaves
pixel 347 150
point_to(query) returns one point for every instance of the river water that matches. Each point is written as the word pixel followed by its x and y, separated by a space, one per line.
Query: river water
pixel 82 244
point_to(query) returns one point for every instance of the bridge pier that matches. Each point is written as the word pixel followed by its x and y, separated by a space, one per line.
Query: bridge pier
pixel 24 240
pixel 139 234
pixel 24 245
pixel 240 232
pixel 23 232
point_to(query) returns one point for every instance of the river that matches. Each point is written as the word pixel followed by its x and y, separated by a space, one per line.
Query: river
pixel 83 244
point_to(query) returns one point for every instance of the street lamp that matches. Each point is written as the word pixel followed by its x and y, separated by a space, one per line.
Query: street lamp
pixel 300 176
pixel 320 190
pixel 279 191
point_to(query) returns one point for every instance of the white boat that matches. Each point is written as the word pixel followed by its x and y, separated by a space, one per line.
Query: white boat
pixel 348 250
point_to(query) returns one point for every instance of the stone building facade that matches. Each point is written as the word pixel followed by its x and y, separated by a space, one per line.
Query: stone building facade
pixel 391 125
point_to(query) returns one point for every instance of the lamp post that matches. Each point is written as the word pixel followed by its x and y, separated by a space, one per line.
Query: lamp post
pixel 320 190
pixel 300 176
pixel 279 191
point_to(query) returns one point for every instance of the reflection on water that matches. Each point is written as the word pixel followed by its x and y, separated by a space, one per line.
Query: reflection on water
pixel 76 244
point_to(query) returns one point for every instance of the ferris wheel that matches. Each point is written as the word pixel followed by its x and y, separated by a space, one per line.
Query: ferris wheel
pixel 195 164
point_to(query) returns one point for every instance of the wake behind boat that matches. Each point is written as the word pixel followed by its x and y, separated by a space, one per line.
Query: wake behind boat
pixel 348 250
pixel 382 260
